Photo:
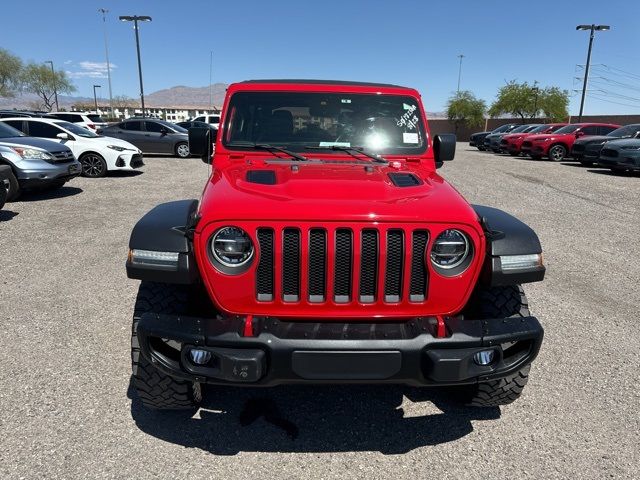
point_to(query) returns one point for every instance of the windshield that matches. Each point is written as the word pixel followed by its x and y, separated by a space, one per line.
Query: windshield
pixel 539 128
pixel 295 121
pixel 96 118
pixel 503 128
pixel 628 131
pixel 76 129
pixel 568 129
pixel 7 132
pixel 520 129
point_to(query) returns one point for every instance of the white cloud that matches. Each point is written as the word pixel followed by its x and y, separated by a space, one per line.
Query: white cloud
pixel 87 69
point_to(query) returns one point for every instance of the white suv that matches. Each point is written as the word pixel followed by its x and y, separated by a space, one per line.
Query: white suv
pixel 213 119
pixel 96 154
pixel 89 120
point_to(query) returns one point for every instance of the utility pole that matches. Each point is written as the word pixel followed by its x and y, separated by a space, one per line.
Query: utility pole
pixel 106 51
pixel 460 71
pixel 210 79
pixel 135 19
pixel 593 29
pixel 55 87
pixel 95 98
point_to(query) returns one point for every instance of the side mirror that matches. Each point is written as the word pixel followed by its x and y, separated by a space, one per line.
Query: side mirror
pixel 579 134
pixel 164 130
pixel 63 136
pixel 200 143
pixel 444 148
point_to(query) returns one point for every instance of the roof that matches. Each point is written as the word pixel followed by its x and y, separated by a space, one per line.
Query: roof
pixel 324 82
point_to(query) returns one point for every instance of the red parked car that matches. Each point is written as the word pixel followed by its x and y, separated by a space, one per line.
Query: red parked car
pixel 557 145
pixel 512 143
pixel 326 248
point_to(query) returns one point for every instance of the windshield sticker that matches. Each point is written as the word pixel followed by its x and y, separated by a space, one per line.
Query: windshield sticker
pixel 334 144
pixel 408 119
pixel 410 137
pixel 346 100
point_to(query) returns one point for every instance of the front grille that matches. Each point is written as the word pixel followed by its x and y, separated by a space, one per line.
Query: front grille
pixel 344 265
pixel 503 142
pixel 577 147
pixel 64 156
pixel 609 152
pixel 526 144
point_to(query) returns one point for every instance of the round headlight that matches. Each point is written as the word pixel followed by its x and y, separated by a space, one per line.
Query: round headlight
pixel 450 249
pixel 231 246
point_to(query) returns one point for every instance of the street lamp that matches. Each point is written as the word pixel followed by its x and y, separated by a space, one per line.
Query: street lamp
pixel 104 12
pixel 460 71
pixel 55 89
pixel 135 19
pixel 593 29
pixel 95 99
pixel 536 92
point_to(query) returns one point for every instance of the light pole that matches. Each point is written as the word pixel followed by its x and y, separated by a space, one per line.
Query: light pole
pixel 210 79
pixel 135 19
pixel 95 99
pixel 55 88
pixel 535 91
pixel 593 29
pixel 460 71
pixel 106 51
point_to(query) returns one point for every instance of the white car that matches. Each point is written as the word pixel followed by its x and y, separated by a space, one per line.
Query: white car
pixel 92 121
pixel 213 119
pixel 96 154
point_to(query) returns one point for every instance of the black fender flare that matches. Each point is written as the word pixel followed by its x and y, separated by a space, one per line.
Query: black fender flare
pixel 506 235
pixel 167 227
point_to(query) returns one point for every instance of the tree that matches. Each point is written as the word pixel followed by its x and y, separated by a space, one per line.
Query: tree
pixel 40 80
pixel 554 103
pixel 464 109
pixel 123 101
pixel 526 101
pixel 10 73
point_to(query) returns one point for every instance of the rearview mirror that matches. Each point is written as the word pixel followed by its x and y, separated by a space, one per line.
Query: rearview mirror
pixel 444 148
pixel 200 143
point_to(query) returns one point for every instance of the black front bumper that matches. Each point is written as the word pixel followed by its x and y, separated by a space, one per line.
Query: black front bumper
pixel 406 352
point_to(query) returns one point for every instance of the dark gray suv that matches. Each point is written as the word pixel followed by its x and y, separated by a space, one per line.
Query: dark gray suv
pixel 151 136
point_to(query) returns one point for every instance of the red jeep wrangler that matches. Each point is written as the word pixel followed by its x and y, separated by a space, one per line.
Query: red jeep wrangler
pixel 327 249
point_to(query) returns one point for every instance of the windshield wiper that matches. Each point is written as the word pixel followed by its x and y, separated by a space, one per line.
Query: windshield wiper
pixel 351 150
pixel 264 146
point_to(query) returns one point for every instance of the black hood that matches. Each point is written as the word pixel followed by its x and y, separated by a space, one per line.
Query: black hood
pixel 48 145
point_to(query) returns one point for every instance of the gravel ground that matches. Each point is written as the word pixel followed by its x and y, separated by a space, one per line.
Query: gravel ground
pixel 66 409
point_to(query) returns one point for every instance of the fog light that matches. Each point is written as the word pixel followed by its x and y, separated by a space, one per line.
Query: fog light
pixel 484 357
pixel 200 357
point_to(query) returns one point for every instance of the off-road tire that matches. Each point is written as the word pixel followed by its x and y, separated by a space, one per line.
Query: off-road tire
pixel 156 389
pixel 497 302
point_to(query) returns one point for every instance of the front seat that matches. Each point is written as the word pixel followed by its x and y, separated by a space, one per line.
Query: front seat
pixel 279 128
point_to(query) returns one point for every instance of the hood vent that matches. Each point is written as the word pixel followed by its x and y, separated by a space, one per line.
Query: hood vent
pixel 263 177
pixel 404 179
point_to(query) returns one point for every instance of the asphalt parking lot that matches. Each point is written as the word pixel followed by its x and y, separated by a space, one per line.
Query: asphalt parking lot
pixel 65 303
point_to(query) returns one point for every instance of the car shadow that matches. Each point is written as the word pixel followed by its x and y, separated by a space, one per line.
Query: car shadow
pixel 336 418
pixel 615 174
pixel 39 195
pixel 124 173
pixel 6 215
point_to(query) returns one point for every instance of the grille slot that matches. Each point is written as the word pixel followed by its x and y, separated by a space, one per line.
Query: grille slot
pixel 419 274
pixel 368 266
pixel 343 259
pixel 317 265
pixel 291 265
pixel 609 152
pixel 264 272
pixel 395 260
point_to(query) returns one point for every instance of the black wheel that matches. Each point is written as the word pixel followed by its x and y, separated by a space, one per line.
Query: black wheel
pixel 557 153
pixel 481 149
pixel 93 165
pixel 182 150
pixel 586 163
pixel 13 187
pixel 514 154
pixel 156 389
pixel 497 302
pixel 536 157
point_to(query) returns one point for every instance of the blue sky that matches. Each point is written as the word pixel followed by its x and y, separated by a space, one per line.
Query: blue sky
pixel 412 43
